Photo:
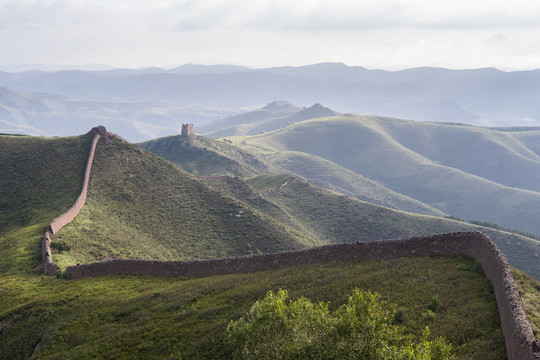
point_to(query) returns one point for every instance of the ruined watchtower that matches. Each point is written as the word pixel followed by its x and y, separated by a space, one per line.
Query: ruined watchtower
pixel 187 129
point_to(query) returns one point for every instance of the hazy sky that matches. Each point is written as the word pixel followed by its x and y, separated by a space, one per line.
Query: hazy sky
pixel 389 34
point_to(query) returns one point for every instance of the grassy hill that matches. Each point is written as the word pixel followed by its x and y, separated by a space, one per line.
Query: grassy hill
pixel 128 316
pixel 334 177
pixel 43 175
pixel 146 317
pixel 329 217
pixel 371 147
pixel 204 156
pixel 142 206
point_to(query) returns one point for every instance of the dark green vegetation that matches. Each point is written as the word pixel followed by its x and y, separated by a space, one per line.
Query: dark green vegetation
pixel 136 193
pixel 38 177
pixel 142 206
pixel 207 157
pixel 210 157
pixel 363 328
pixel 145 317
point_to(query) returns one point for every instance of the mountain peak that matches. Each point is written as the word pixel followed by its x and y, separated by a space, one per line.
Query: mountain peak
pixel 315 111
pixel 280 105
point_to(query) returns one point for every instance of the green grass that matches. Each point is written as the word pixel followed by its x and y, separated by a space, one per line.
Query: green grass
pixel 146 317
pixel 209 157
pixel 141 206
pixel 438 165
pixel 529 291
pixel 330 175
pixel 39 178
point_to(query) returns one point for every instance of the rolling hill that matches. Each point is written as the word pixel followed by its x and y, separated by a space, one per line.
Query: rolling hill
pixel 142 206
pixel 426 162
pixel 138 201
pixel 150 102
pixel 204 156
pixel 308 213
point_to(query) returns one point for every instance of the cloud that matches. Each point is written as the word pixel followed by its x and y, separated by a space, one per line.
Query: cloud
pixel 351 15
pixel 376 33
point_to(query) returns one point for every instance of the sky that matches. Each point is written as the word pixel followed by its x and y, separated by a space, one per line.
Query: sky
pixel 384 34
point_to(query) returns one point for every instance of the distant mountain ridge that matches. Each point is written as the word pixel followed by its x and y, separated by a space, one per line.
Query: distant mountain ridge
pixel 483 97
pixel 271 117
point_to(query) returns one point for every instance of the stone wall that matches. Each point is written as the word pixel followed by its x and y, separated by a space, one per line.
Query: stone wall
pixel 47 265
pixel 519 338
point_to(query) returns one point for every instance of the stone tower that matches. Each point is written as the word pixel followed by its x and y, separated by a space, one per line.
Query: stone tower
pixel 187 129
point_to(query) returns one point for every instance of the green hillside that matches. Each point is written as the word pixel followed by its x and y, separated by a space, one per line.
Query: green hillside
pixel 207 157
pixel 330 218
pixel 204 156
pixel 365 146
pixel 38 177
pixel 133 192
pixel 142 206
pixel 156 318
pixel 332 176
pixel 499 156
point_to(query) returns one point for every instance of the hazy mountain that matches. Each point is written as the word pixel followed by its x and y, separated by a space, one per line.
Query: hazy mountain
pixel 486 97
pixel 55 115
pixel 243 123
pixel 463 171
pixel 272 117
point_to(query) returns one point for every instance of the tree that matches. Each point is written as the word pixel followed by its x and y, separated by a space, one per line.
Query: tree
pixel 275 328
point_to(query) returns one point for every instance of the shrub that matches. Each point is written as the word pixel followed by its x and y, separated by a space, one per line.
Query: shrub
pixel 60 246
pixel 434 304
pixel 399 317
pixel 428 316
pixel 361 329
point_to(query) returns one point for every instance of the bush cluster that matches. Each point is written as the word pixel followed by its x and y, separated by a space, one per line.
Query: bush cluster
pixel 360 329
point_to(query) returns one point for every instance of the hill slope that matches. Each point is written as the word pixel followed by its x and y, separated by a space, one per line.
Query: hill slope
pixel 207 157
pixel 204 156
pixel 126 316
pixel 366 146
pixel 141 206
pixel 333 218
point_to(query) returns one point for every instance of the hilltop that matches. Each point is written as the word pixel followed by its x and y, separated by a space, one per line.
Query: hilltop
pixel 463 171
pixel 204 156
pixel 160 206
pixel 271 117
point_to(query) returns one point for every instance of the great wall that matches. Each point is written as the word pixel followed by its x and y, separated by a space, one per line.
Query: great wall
pixel 519 338
pixel 47 264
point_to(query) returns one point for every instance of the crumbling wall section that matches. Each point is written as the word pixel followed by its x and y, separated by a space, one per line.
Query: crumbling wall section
pixel 519 338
